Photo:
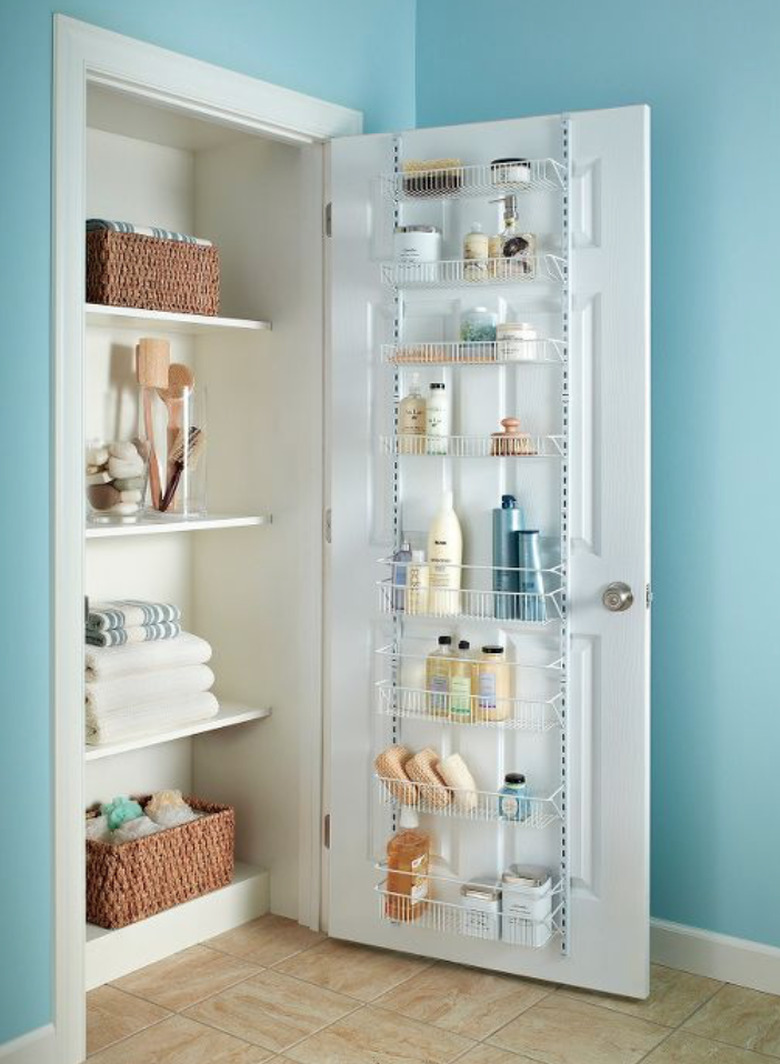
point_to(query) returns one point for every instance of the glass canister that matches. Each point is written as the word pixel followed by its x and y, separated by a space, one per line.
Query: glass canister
pixel 478 326
pixel 116 478
pixel 184 448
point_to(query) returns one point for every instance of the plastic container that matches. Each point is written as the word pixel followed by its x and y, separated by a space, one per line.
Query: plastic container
pixel 514 804
pixel 507 522
pixel 478 326
pixel 408 857
pixel 511 171
pixel 516 341
pixel 417 243
pixel 526 905
pixel 482 909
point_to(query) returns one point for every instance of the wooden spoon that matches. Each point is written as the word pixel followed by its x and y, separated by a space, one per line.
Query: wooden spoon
pixel 152 369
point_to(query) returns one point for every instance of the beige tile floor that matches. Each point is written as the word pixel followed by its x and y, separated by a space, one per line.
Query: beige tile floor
pixel 273 991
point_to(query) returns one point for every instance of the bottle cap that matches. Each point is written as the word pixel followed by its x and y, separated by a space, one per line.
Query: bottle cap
pixel 514 777
pixel 508 502
pixel 418 557
pixel 437 384
pixel 408 818
pixel 492 650
pixel 445 640
pixel 464 645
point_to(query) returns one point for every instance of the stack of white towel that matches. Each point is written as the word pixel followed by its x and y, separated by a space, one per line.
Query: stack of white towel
pixel 142 688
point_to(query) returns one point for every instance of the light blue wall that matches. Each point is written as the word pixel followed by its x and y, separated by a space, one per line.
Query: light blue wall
pixel 710 72
pixel 355 52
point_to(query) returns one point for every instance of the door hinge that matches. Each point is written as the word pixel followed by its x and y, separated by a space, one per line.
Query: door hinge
pixel 648 596
pixel 326 831
pixel 328 219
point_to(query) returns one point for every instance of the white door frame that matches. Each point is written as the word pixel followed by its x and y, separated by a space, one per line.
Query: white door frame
pixel 85 54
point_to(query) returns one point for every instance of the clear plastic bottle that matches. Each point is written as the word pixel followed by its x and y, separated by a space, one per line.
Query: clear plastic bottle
pixel 408 860
pixel 438 418
pixel 437 678
pixel 462 684
pixel 475 254
pixel 417 584
pixel 411 419
pixel 493 684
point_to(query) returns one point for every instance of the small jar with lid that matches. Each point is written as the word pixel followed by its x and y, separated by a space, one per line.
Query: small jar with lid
pixel 416 243
pixel 514 803
pixel 526 905
pixel 481 909
pixel 511 171
pixel 478 326
pixel 516 342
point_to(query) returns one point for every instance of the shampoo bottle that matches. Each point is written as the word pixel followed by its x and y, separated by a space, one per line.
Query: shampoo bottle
pixel 437 678
pixel 445 557
pixel 408 859
pixel 462 684
pixel 507 522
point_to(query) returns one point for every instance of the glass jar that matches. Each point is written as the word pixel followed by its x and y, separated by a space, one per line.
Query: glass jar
pixel 182 451
pixel 514 803
pixel 478 326
pixel 116 479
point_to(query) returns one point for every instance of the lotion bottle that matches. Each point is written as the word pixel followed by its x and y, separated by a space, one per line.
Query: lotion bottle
pixel 411 419
pixel 445 557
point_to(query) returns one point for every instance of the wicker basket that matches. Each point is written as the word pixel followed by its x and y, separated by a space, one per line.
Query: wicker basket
pixel 132 270
pixel 137 879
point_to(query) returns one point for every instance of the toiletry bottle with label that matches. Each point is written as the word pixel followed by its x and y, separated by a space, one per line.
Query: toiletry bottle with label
pixel 514 803
pixel 445 557
pixel 517 250
pixel 417 584
pixel 437 418
pixel 475 254
pixel 532 604
pixel 437 678
pixel 411 419
pixel 493 684
pixel 507 522
pixel 401 558
pixel 461 683
pixel 408 860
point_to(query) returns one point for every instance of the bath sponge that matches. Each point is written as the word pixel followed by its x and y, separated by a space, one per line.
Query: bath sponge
pixel 120 810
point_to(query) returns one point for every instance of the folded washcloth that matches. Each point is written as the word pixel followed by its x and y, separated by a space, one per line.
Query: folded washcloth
pixel 152 719
pixel 138 689
pixel 94 224
pixel 129 613
pixel 139 633
pixel 109 663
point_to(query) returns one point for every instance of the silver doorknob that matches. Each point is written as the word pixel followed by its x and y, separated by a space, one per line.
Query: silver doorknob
pixel 618 597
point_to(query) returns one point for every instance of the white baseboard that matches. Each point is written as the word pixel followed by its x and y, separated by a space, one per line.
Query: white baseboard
pixel 732 960
pixel 35 1047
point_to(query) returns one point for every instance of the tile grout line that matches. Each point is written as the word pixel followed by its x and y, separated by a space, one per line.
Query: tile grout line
pixel 127 1037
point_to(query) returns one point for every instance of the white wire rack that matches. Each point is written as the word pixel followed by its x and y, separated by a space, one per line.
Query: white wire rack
pixel 543 351
pixel 451 273
pixel 437 800
pixel 502 445
pixel 397 660
pixel 539 175
pixel 536 608
pixel 414 703
pixel 437 910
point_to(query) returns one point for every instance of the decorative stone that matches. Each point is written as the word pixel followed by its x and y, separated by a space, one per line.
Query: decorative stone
pixel 125 467
pixel 130 496
pixel 103 496
pixel 129 483
pixel 98 478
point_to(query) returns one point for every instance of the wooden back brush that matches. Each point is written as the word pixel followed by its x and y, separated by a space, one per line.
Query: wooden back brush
pixel 185 454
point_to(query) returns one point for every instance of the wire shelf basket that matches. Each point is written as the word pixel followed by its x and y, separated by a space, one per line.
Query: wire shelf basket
pixel 537 608
pixel 502 445
pixel 414 703
pixel 451 273
pixel 429 907
pixel 538 175
pixel 542 351
pixel 436 799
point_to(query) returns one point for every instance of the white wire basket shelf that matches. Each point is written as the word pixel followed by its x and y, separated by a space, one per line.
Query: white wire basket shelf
pixel 535 608
pixel 438 905
pixel 397 660
pixel 451 273
pixel 529 812
pixel 543 351
pixel 538 175
pixel 521 445
pixel 415 703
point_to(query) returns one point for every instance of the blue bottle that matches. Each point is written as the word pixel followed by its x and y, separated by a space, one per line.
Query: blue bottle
pixel 507 522
pixel 531 600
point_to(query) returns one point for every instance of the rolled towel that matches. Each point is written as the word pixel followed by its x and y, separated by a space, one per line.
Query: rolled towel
pixel 422 769
pixel 454 771
pixel 139 633
pixel 95 224
pixel 390 766
pixel 152 719
pixel 129 613
pixel 109 663
pixel 146 688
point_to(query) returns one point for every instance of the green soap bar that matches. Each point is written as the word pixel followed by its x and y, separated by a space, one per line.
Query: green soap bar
pixel 129 483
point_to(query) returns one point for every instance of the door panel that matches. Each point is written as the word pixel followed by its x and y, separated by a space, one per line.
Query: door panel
pixel 591 666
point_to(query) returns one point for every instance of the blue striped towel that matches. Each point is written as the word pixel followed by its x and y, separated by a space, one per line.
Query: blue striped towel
pixel 95 224
pixel 129 613
pixel 139 633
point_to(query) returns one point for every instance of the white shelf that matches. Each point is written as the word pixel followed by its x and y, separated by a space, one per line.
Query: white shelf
pixel 136 318
pixel 230 714
pixel 112 954
pixel 542 351
pixel 435 799
pixel 453 273
pixel 157 526
pixel 542 175
pixel 500 445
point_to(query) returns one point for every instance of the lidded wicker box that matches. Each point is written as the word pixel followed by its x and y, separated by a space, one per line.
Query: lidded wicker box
pixel 135 880
pixel 152 272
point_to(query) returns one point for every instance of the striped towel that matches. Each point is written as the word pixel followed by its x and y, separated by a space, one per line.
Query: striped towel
pixel 139 633
pixel 95 224
pixel 129 613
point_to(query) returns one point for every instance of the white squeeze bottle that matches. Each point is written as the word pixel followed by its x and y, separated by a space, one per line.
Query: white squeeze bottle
pixel 445 557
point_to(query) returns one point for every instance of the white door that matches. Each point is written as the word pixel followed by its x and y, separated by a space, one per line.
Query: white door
pixel 577 720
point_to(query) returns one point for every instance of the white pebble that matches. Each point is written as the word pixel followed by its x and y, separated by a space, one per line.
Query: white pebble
pixel 98 478
pixel 122 449
pixel 129 496
pixel 97 456
pixel 124 509
pixel 123 469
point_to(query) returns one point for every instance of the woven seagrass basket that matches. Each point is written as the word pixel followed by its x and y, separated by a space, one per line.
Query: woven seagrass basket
pixel 133 270
pixel 134 880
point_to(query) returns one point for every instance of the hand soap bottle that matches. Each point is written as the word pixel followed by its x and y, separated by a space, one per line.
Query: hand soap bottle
pixel 408 859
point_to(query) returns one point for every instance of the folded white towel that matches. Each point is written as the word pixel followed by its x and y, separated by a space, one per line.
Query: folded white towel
pixel 149 720
pixel 107 663
pixel 156 685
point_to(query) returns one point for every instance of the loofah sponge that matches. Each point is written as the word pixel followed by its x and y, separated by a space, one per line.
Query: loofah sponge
pixel 120 810
pixel 168 809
